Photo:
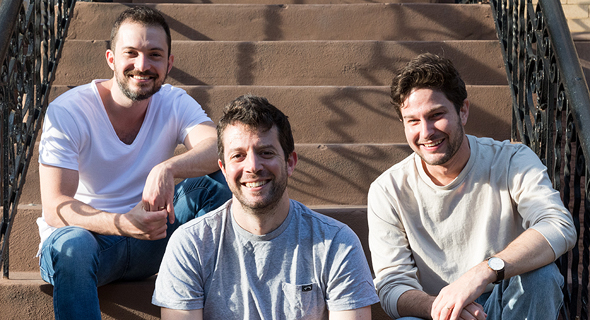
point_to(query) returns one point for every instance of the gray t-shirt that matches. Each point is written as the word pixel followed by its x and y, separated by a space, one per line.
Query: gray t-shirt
pixel 309 264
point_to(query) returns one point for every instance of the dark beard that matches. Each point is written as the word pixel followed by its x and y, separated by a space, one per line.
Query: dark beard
pixel 268 204
pixel 141 95
pixel 455 144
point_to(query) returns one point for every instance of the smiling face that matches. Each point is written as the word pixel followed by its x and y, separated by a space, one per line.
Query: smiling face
pixel 140 60
pixel 433 128
pixel 255 167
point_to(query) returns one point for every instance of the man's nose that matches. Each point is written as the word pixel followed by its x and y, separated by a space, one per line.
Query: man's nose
pixel 427 128
pixel 252 163
pixel 141 63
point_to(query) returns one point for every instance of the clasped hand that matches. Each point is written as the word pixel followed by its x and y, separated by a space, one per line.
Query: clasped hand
pixel 457 300
pixel 147 220
pixel 158 192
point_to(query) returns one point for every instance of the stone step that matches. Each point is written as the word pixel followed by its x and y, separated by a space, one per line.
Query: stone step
pixel 292 63
pixel 26 296
pixel 255 22
pixel 281 2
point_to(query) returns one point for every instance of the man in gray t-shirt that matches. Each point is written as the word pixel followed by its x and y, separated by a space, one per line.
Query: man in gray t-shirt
pixel 262 255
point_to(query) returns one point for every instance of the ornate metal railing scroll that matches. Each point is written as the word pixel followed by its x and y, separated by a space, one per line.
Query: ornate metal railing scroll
pixel 33 32
pixel 551 114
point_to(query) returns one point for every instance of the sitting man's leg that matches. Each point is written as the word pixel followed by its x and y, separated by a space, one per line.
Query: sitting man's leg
pixel 193 198
pixel 533 295
pixel 76 261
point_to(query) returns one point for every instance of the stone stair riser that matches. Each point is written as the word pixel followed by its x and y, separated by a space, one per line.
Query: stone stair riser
pixel 293 63
pixel 379 21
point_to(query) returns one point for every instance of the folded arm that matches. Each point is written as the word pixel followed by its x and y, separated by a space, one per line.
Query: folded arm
pixel 58 187
pixel 528 252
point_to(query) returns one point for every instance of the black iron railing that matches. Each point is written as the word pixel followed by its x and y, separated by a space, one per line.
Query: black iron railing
pixel 551 114
pixel 32 33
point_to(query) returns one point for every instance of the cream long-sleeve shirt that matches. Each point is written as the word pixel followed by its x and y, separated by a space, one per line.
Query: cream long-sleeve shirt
pixel 423 236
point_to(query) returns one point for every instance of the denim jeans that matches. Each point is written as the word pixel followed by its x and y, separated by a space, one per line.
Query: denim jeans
pixel 76 261
pixel 532 295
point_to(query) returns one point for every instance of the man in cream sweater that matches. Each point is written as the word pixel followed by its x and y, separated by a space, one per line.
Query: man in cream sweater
pixel 465 227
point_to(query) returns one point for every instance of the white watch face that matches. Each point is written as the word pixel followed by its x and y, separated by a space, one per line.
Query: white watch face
pixel 496 263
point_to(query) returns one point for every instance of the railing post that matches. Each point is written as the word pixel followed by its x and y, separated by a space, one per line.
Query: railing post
pixel 9 13
pixel 573 76
pixel 26 74
pixel 551 114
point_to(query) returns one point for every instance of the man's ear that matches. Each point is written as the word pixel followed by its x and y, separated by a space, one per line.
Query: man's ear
pixel 291 162
pixel 220 164
pixel 170 62
pixel 464 112
pixel 110 55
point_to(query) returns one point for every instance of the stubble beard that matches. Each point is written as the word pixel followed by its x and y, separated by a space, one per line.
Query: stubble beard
pixel 454 146
pixel 141 93
pixel 266 205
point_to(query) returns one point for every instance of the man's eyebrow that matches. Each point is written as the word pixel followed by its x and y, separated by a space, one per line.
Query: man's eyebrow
pixel 431 111
pixel 150 49
pixel 265 146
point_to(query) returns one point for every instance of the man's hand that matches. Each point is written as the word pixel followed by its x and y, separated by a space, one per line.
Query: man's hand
pixel 199 160
pixel 141 224
pixel 158 193
pixel 473 311
pixel 456 301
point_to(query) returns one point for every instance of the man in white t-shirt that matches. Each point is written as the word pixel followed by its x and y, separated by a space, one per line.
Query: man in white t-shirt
pixel 108 169
pixel 262 255
pixel 465 227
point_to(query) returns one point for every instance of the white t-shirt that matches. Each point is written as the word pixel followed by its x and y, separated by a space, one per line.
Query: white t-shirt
pixel 78 135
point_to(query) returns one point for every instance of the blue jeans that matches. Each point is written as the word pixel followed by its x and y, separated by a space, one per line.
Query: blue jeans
pixel 532 295
pixel 76 261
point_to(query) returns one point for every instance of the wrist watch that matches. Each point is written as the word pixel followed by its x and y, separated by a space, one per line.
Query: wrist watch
pixel 497 265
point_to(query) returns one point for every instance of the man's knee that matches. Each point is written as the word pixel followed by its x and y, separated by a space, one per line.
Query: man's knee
pixel 546 278
pixel 70 245
pixel 67 251
pixel 197 196
pixel 212 183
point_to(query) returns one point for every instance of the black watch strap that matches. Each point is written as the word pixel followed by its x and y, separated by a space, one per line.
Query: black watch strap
pixel 499 276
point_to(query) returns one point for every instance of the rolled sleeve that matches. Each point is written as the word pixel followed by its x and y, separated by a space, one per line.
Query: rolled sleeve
pixel 539 203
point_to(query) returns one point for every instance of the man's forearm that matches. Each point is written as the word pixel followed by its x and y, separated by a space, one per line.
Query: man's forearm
pixel 137 223
pixel 415 303
pixel 528 252
pixel 201 157
pixel 67 211
pixel 58 187
pixel 196 162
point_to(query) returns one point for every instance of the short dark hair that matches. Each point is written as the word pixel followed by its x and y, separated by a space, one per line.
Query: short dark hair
pixel 428 71
pixel 256 113
pixel 145 16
